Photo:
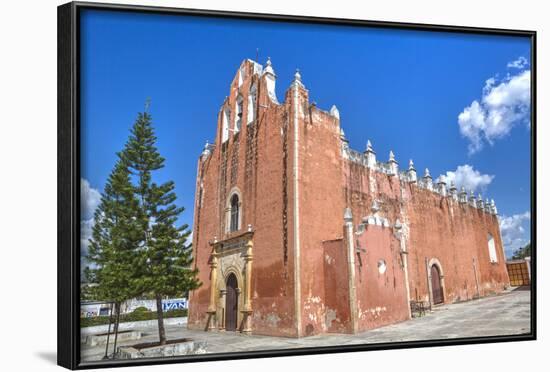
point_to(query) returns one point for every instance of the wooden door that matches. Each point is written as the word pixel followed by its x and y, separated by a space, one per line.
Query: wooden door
pixel 437 290
pixel 231 300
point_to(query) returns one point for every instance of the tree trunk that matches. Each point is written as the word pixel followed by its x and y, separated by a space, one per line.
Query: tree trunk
pixel 117 322
pixel 160 318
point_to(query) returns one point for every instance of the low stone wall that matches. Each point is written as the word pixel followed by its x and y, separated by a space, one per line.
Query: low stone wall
pixel 101 339
pixel 85 332
pixel 183 348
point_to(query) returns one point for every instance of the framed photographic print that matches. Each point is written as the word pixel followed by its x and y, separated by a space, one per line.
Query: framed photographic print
pixel 237 185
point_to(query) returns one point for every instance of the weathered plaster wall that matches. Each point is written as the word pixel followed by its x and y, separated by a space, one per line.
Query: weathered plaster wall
pixel 380 280
pixel 435 227
pixel 321 209
pixel 257 172
pixel 259 163
pixel 336 291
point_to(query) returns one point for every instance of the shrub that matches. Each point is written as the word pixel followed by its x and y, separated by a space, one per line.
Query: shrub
pixel 134 316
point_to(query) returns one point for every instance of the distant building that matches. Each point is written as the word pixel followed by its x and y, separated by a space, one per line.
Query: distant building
pixel 296 234
pixel 519 272
pixel 95 308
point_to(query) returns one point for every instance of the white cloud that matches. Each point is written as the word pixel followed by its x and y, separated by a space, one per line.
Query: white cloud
pixel 472 179
pixel 503 105
pixel 514 231
pixel 89 201
pixel 519 63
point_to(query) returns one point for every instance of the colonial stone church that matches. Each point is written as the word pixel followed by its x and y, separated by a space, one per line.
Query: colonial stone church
pixel 297 234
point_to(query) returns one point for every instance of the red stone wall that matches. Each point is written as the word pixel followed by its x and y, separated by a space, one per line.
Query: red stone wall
pixel 381 297
pixel 435 227
pixel 259 177
pixel 321 211
pixel 336 288
pixel 259 162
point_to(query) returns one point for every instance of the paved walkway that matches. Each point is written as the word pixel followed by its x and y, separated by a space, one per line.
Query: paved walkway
pixel 505 314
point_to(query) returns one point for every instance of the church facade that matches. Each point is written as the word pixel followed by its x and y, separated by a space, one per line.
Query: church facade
pixel 297 234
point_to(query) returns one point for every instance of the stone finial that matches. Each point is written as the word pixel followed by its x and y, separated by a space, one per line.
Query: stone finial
pixel 297 79
pixel 206 150
pixel 428 180
pixel 472 199
pixel 411 172
pixel 394 169
pixel 369 147
pixel 463 196
pixel 453 192
pixel 348 217
pixel 268 68
pixel 335 112
pixel 297 75
pixel 479 201
pixel 270 79
pixel 487 206
pixel 442 186
pixel 493 207
pixel 371 155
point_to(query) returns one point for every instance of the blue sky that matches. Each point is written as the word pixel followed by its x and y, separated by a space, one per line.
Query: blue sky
pixel 455 103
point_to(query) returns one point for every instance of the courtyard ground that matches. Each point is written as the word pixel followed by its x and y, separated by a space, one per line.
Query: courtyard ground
pixel 505 314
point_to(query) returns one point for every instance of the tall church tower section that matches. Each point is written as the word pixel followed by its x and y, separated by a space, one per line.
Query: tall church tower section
pixel 243 233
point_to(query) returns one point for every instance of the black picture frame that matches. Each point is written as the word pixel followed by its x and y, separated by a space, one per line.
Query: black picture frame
pixel 68 345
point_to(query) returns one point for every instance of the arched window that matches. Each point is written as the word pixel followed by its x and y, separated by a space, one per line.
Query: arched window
pixel 238 114
pixel 234 222
pixel 251 112
pixel 225 125
pixel 492 248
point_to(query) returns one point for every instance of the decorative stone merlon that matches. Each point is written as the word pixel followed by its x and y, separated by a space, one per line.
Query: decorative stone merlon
pixel 392 164
pixel 334 112
pixel 411 172
pixel 472 199
pixel 487 206
pixel 428 180
pixel 442 186
pixel 479 201
pixel 463 196
pixel 371 155
pixel 452 190
pixel 368 159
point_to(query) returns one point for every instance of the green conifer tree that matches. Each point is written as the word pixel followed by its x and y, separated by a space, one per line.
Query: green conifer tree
pixel 116 236
pixel 165 261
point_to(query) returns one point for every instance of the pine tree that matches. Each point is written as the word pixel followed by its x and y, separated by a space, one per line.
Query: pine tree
pixel 165 261
pixel 116 237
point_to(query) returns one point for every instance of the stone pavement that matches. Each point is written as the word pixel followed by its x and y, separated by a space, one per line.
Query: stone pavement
pixel 505 314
